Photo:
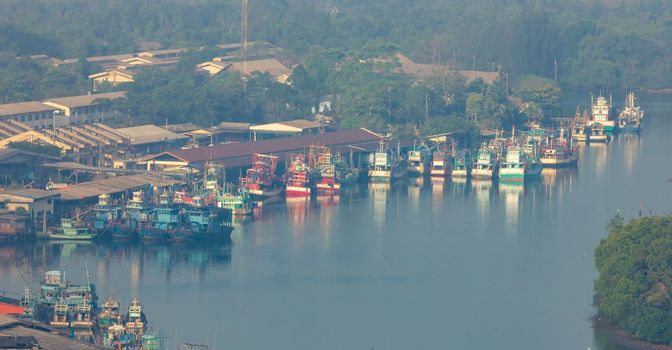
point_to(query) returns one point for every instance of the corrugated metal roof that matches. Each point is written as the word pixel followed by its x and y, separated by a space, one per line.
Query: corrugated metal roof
pixel 297 125
pixel 31 193
pixel 239 154
pixel 24 107
pixel 85 100
pixel 113 185
pixel 145 134
pixel 47 340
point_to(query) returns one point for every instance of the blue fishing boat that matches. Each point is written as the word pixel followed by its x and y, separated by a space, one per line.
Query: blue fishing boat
pixel 108 220
pixel 137 212
pixel 461 167
pixel 164 221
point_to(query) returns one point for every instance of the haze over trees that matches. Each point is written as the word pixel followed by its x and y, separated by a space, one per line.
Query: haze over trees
pixel 586 43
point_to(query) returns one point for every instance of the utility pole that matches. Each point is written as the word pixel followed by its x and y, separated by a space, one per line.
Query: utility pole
pixel 427 111
pixel 555 70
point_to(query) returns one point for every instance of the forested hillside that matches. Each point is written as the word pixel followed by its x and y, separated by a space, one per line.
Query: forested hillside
pixel 597 44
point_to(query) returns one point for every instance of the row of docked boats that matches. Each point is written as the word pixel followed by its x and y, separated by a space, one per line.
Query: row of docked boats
pixel 73 310
pixel 602 122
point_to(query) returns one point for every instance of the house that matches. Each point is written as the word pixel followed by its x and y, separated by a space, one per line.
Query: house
pixel 35 202
pixel 286 128
pixel 13 226
pixel 86 109
pixel 113 77
pixel 34 114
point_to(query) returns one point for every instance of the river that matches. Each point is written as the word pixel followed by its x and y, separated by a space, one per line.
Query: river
pixel 454 265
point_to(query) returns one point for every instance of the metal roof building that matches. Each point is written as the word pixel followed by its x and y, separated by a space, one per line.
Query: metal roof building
pixel 240 154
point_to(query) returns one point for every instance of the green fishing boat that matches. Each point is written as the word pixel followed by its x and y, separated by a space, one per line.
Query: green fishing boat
pixel 70 231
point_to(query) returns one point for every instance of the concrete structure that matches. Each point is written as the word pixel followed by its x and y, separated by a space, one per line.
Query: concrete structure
pixel 85 109
pixel 290 127
pixel 33 201
pixel 34 114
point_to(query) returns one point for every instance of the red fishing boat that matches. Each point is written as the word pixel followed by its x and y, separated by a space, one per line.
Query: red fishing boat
pixel 298 177
pixel 322 160
pixel 260 180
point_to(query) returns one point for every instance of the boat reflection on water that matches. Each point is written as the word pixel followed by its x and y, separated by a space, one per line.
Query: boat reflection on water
pixel 460 186
pixel 599 155
pixel 298 209
pixel 512 194
pixel 483 191
pixel 632 149
pixel 378 193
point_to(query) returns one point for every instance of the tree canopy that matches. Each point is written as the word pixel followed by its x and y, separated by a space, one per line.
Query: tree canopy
pixel 635 277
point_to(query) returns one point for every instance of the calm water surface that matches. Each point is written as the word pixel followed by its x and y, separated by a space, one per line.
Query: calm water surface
pixel 452 265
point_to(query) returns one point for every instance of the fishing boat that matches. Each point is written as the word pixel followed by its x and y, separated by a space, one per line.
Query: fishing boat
pixel 163 222
pixel 520 163
pixel 239 203
pixel 630 119
pixel 108 220
pixel 137 212
pixel 204 223
pixel 486 165
pixel 385 168
pixel 324 164
pixel 461 167
pixel 260 180
pixel 28 304
pixel 298 177
pixel 83 313
pixel 558 153
pixel 597 133
pixel 441 163
pixel 110 315
pixel 136 322
pixel 418 161
pixel 600 114
pixel 69 230
pixel 60 316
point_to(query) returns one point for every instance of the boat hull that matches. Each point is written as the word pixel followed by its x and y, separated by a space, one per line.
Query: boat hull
pixel 297 191
pixel 599 138
pixel 57 236
pixel 325 187
pixel 380 176
pixel 483 174
pixel 265 193
pixel 630 128
pixel 559 162
pixel 460 173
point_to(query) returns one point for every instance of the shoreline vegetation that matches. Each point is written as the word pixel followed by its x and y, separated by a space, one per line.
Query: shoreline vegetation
pixel 621 337
pixel 634 264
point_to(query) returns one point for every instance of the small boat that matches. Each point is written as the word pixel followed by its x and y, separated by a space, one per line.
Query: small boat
pixel 260 180
pixel 520 163
pixel 418 160
pixel 298 177
pixel 597 133
pixel 601 114
pixel 324 164
pixel 461 167
pixel 60 317
pixel 110 314
pixel 630 119
pixel 558 153
pixel 70 231
pixel 441 163
pixel 386 168
pixel 486 165
pixel 136 322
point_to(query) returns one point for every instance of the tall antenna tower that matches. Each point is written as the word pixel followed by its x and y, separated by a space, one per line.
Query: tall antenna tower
pixel 243 42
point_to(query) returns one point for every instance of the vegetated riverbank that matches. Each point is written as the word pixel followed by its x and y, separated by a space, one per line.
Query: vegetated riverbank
pixel 620 337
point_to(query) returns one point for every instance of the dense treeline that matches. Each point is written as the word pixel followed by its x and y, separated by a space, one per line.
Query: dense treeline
pixel 635 277
pixel 604 44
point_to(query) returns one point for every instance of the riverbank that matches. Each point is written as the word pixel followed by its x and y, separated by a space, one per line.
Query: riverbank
pixel 620 337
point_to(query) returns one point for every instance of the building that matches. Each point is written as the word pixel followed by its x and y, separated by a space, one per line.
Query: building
pixel 34 114
pixel 269 65
pixel 17 333
pixel 150 138
pixel 34 202
pixel 239 155
pixel 287 128
pixel 13 226
pixel 425 71
pixel 85 109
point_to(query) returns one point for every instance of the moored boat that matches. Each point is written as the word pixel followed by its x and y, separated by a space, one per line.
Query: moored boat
pixel 441 163
pixel 108 220
pixel 519 165
pixel 461 167
pixel 70 230
pixel 323 163
pixel 486 165
pixel 597 133
pixel 260 180
pixel 136 321
pixel 601 114
pixel 418 160
pixel 630 119
pixel 298 177
pixel 558 153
